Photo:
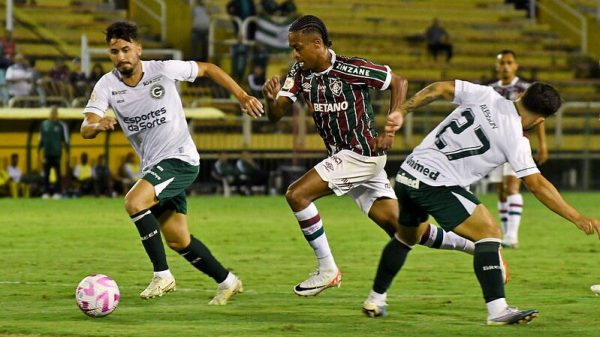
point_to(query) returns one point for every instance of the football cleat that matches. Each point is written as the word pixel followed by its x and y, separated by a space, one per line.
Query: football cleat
pixel 319 281
pixel 372 309
pixel 158 287
pixel 510 242
pixel 512 315
pixel 224 293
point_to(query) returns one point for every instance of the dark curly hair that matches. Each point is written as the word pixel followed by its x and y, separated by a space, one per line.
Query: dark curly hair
pixel 122 30
pixel 542 99
pixel 311 24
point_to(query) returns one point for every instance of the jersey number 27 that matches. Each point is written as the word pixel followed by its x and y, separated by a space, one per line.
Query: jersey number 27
pixel 457 129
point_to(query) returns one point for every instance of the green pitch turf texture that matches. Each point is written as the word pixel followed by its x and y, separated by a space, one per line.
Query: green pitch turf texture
pixel 48 246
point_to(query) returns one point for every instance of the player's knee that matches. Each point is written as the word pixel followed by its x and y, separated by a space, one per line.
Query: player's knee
pixel 295 198
pixel 134 205
pixel 176 245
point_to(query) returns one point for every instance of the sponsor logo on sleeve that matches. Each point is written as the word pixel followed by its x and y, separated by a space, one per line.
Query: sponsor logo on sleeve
pixel 288 84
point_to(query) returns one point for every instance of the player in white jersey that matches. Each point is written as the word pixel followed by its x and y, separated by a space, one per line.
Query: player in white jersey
pixel 145 100
pixel 510 201
pixel 484 131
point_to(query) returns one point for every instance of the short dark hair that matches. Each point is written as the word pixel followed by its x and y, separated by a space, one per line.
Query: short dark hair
pixel 542 99
pixel 122 30
pixel 507 52
pixel 311 24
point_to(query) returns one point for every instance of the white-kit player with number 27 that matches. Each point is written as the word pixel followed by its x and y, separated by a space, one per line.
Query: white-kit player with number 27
pixel 483 132
pixel 144 97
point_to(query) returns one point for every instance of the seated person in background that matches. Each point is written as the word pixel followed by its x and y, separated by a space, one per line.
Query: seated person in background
pixel 102 178
pixel 250 174
pixel 224 172
pixel 256 80
pixel 83 175
pixel 130 172
pixel 438 40
pixel 16 184
pixel 4 179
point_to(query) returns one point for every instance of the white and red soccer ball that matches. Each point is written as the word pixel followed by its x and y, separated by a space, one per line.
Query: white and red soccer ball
pixel 97 295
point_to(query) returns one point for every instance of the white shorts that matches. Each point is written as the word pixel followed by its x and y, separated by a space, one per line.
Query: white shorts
pixel 361 177
pixel 501 171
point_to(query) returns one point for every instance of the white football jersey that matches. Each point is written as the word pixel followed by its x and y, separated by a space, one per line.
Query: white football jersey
pixel 483 132
pixel 150 114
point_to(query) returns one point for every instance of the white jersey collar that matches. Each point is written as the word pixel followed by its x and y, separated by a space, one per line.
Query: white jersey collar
pixel 513 82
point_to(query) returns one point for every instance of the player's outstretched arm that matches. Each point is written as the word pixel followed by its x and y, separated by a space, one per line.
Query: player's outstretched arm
pixel 277 107
pixel 93 124
pixel 430 93
pixel 250 105
pixel 545 192
pixel 542 152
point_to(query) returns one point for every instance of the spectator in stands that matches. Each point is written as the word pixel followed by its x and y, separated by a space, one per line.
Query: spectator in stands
pixel 102 178
pixel 38 83
pixel 224 169
pixel 250 173
pixel 20 77
pixel 16 184
pixel 7 45
pixel 239 59
pixel 260 55
pixel 60 80
pixel 78 81
pixel 4 64
pixel 54 135
pixel 438 40
pixel 83 176
pixel 287 8
pixel 256 80
pixel 242 9
pixel 95 74
pixel 200 31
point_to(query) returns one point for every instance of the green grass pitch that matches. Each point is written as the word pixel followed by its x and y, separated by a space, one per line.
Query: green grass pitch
pixel 48 246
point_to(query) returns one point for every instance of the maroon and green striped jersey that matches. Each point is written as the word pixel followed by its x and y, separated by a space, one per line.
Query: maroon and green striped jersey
pixel 339 100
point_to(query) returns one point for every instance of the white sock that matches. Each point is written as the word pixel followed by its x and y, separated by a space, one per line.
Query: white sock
pixel 496 307
pixel 440 239
pixel 312 228
pixel 503 214
pixel 228 281
pixel 164 273
pixel 378 298
pixel 515 208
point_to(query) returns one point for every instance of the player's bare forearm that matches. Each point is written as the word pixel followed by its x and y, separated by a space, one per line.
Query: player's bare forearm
pixel 430 93
pixel 93 124
pixel 398 89
pixel 545 192
pixel 277 108
pixel 221 78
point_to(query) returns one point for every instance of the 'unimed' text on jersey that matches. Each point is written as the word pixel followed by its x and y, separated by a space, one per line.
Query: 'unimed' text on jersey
pixel 340 102
pixel 150 114
pixel 483 132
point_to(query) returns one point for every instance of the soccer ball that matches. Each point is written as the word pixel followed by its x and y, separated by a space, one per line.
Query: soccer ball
pixel 596 289
pixel 97 295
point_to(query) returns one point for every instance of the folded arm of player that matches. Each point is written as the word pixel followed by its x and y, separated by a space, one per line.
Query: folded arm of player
pixel 93 124
pixel 545 192
pixel 250 105
pixel 276 106
pixel 398 87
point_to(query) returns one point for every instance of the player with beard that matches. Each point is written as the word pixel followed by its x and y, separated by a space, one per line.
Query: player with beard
pixel 144 97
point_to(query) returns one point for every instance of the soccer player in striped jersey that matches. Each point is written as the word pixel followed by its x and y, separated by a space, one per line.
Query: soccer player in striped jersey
pixel 510 201
pixel 484 131
pixel 144 97
pixel 336 89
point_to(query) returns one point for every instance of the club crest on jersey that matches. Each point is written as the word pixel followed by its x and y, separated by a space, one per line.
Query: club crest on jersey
pixel 336 87
pixel 157 91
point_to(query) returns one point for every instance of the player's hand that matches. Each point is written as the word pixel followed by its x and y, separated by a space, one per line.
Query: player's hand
pixel 252 106
pixel 271 88
pixel 105 124
pixel 384 141
pixel 588 225
pixel 394 121
pixel 542 155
